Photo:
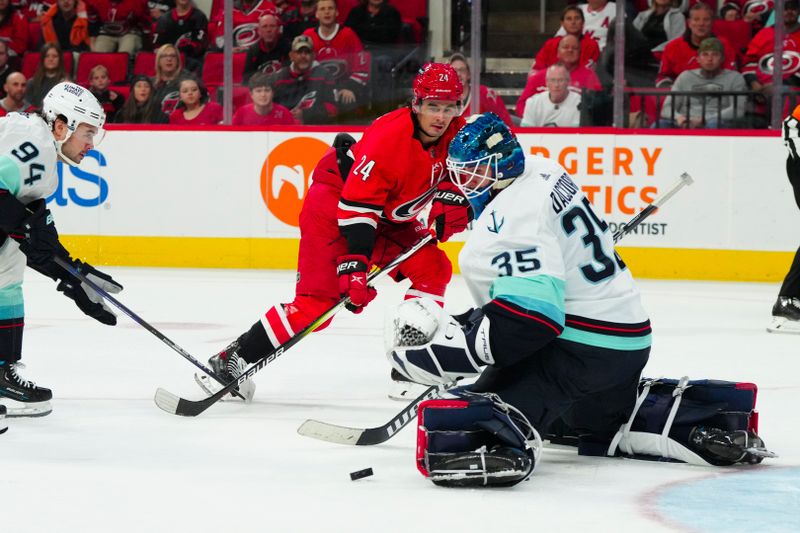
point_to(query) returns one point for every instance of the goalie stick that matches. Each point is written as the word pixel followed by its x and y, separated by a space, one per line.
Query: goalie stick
pixel 368 436
pixel 176 405
pixel 66 265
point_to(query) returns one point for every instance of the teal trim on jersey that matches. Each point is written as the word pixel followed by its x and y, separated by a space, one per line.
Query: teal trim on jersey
pixel 11 302
pixel 9 175
pixel 543 294
pixel 606 341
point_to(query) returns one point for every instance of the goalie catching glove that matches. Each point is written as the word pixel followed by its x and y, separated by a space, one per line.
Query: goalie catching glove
pixel 428 346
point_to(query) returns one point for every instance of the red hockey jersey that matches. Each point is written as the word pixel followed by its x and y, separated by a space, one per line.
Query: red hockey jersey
pixel 548 55
pixel 680 54
pixel 490 101
pixel 14 33
pixel 116 18
pixel 342 54
pixel 245 23
pixel 759 56
pixel 393 177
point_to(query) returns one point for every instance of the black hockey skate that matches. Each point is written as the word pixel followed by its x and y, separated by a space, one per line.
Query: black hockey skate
pixel 785 316
pixel 227 366
pixel 26 398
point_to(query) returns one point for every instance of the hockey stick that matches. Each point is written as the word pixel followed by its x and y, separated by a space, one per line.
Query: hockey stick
pixel 377 435
pixel 173 404
pixel 136 318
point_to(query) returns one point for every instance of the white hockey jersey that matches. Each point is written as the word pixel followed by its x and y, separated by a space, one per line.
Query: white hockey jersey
pixel 27 157
pixel 540 246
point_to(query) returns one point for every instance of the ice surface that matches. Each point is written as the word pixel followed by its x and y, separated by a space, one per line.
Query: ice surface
pixel 108 460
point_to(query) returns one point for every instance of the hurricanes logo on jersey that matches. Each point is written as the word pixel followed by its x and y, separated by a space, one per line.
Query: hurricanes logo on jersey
pixel 791 63
pixel 286 176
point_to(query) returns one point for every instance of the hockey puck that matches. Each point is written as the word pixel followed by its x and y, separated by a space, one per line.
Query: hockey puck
pixel 358 474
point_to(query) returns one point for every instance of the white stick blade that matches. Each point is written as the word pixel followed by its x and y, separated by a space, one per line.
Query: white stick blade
pixel 166 401
pixel 329 432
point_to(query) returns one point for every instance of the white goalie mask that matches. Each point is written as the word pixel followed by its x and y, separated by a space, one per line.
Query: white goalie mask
pixel 76 106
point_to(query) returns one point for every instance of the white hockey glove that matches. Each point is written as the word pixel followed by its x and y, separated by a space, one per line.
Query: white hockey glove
pixel 429 346
pixel 790 132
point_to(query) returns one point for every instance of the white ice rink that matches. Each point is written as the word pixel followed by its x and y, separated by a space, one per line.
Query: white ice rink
pixel 108 460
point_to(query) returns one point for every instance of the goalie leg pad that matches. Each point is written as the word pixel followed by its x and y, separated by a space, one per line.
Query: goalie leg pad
pixel 703 422
pixel 475 440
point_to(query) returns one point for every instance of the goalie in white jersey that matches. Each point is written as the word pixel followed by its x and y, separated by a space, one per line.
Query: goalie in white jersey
pixel 559 331
pixel 70 124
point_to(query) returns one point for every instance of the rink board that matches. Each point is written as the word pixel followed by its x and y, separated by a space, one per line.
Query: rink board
pixel 231 198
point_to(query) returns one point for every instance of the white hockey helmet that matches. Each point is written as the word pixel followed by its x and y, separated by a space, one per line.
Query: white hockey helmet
pixel 76 105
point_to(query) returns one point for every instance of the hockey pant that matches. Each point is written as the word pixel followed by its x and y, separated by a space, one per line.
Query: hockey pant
pixel 593 390
pixel 12 311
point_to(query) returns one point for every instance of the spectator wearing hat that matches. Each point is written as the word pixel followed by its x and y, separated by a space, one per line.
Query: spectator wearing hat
pixel 271 52
pixel 142 107
pixel 262 111
pixel 705 110
pixel 304 86
pixel 758 57
pixel 557 106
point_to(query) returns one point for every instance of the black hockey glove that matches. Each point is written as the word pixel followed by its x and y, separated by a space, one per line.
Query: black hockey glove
pixel 12 211
pixel 37 237
pixel 86 298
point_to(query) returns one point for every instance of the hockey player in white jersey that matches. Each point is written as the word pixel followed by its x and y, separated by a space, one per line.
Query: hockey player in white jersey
pixel 559 330
pixel 70 124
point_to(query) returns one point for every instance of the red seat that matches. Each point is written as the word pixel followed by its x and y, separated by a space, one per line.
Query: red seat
pixel 30 62
pixel 212 68
pixel 241 96
pixel 145 63
pixel 123 90
pixel 344 7
pixel 34 35
pixel 116 63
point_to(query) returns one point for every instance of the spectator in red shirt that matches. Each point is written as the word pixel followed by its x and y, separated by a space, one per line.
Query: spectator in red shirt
pixel 194 107
pixel 572 21
pixel 15 95
pixel 13 29
pixel 271 52
pixel 758 58
pixel 580 77
pixel 245 21
pixel 118 25
pixel 681 53
pixel 262 111
pixel 489 101
pixel 339 50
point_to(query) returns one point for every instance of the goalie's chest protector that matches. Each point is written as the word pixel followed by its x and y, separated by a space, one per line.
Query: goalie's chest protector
pixel 543 225
pixel 27 143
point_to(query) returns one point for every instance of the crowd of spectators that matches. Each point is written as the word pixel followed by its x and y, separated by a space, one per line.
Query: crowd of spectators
pixel 308 62
pixel 328 61
pixel 720 50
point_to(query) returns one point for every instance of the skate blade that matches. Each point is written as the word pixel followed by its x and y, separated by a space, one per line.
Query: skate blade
pixel 28 410
pixel 784 325
pixel 211 387
pixel 405 391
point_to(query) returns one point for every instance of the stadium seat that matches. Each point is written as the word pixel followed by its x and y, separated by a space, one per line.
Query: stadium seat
pixel 30 61
pixel 212 68
pixel 123 90
pixel 34 35
pixel 145 63
pixel 116 63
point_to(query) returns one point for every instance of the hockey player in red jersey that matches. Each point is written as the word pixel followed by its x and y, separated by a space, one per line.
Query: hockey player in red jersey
pixel 361 210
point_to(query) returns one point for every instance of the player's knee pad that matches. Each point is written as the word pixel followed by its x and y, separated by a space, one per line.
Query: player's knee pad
pixel 475 440
pixel 703 422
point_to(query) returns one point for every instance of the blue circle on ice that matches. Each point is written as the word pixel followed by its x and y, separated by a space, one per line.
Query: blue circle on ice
pixel 763 500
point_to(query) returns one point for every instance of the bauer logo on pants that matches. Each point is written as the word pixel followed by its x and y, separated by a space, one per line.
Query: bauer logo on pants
pixel 285 176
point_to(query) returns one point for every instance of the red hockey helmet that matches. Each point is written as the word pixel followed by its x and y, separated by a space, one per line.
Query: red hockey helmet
pixel 437 81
